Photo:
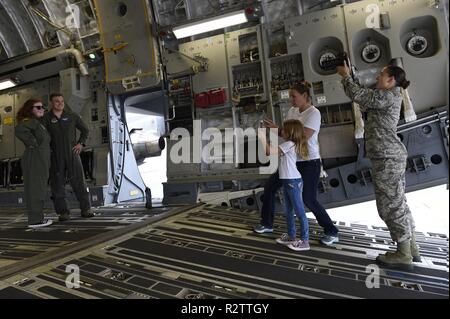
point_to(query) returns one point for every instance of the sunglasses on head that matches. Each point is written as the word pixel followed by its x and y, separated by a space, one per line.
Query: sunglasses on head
pixel 38 107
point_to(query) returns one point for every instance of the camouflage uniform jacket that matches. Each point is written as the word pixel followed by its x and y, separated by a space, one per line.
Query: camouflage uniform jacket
pixel 383 113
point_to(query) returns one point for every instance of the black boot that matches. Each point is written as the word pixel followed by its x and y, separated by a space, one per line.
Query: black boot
pixel 64 216
pixel 87 213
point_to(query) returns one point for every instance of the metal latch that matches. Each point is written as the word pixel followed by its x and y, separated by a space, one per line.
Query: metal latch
pixel 324 186
pixel 131 82
pixel 418 163
pixel 365 176
pixel 116 48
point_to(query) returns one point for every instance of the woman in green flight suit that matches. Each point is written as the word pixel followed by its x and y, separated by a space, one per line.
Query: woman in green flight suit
pixel 35 160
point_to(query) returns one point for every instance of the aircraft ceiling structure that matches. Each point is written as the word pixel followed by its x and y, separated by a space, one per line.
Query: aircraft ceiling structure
pixel 28 26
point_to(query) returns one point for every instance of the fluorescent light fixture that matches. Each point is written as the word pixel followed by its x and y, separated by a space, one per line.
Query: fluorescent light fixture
pixel 6 84
pixel 220 22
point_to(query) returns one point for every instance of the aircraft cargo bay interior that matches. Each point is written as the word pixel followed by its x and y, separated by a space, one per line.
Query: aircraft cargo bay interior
pixel 224 149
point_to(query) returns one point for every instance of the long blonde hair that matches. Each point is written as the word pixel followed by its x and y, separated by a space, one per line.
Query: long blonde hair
pixel 294 132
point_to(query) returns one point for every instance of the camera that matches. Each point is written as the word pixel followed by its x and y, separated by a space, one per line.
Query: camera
pixel 331 62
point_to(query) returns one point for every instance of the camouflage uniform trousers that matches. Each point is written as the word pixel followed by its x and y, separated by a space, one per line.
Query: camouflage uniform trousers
pixel 388 176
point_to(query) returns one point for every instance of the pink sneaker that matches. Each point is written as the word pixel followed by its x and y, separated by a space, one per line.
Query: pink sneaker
pixel 285 239
pixel 300 245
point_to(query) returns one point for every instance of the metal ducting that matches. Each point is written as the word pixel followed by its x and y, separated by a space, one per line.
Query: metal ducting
pixel 143 150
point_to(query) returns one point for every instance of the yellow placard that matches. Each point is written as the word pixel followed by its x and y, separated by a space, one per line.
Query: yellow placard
pixel 134 192
pixel 8 121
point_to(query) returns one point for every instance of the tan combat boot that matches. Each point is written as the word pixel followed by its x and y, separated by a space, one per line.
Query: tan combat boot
pixel 415 250
pixel 401 259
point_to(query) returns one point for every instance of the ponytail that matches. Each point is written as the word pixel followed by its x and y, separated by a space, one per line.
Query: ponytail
pixel 399 75
pixel 405 84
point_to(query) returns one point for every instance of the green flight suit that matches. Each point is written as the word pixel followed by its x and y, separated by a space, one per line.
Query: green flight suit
pixel 35 166
pixel 66 165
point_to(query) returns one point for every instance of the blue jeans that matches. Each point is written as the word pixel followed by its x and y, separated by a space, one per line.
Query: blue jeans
pixel 293 205
pixel 310 171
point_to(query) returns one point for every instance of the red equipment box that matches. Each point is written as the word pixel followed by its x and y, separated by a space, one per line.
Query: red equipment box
pixel 217 96
pixel 202 100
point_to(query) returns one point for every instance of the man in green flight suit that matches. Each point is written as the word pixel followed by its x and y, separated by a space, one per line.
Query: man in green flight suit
pixel 65 157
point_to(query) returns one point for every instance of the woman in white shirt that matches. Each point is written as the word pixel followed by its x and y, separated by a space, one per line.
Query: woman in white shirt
pixel 305 112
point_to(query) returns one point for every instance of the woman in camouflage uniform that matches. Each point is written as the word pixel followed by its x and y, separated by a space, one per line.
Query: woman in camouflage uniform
pixel 388 156
pixel 35 160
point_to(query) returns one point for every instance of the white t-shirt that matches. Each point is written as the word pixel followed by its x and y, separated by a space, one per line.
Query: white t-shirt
pixel 311 119
pixel 287 168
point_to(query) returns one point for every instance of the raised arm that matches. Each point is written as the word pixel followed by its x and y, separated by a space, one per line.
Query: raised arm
pixel 268 148
pixel 367 98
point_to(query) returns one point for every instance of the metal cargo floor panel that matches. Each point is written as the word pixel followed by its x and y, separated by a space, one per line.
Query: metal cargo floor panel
pixel 211 252
pixel 18 242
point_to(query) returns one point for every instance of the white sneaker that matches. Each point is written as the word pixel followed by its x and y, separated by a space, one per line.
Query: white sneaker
pixel 45 223
pixel 328 240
